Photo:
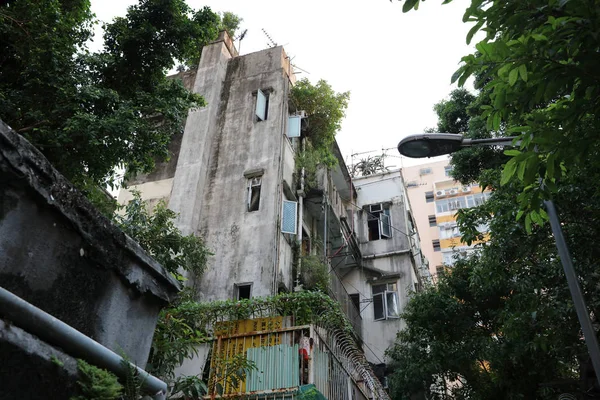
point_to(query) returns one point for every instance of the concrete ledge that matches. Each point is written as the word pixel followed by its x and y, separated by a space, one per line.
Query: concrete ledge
pixel 60 254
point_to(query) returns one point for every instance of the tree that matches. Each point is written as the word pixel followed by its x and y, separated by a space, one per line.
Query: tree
pixel 91 112
pixel 453 116
pixel 493 316
pixel 538 68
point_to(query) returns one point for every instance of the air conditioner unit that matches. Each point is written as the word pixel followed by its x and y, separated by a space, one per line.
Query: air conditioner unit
pixel 440 193
pixel 301 113
pixel 453 191
pixel 465 189
pixel 375 208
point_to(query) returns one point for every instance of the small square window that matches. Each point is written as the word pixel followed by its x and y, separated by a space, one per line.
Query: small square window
pixel 429 197
pixel 432 220
pixel 243 291
pixel 254 185
pixel 424 171
pixel 448 170
pixel 436 245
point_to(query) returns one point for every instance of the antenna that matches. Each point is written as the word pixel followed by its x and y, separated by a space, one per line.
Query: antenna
pixel 271 42
pixel 240 37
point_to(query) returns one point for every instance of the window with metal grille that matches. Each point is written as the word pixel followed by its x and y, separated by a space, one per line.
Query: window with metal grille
pixel 262 105
pixel 432 220
pixel 254 185
pixel 386 302
pixel 424 171
pixel 429 197
pixel 436 245
pixel 288 217
pixel 379 222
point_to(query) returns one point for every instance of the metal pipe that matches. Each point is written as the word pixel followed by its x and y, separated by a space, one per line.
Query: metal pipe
pixel 578 301
pixel 501 141
pixel 75 343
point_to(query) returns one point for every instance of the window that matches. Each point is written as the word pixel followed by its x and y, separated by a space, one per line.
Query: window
pixel 436 245
pixel 262 105
pixel 386 303
pixel 424 171
pixel 429 197
pixel 254 193
pixel 454 204
pixel 477 199
pixel 288 217
pixel 355 299
pixel 432 220
pixel 379 222
pixel 294 126
pixel 449 231
pixel 243 291
pixel 448 170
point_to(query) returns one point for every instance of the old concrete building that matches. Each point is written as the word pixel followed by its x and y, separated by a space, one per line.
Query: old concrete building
pixel 233 180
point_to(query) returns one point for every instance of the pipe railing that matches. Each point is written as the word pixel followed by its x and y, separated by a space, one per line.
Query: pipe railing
pixel 75 343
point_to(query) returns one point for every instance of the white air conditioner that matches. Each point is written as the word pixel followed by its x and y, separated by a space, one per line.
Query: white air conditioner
pixel 453 191
pixel 440 193
pixel 465 189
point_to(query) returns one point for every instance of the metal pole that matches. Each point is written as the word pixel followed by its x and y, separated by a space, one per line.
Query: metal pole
pixel 582 312
pixel 75 343
pixel 501 141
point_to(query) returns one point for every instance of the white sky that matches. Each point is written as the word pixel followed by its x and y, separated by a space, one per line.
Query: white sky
pixel 396 65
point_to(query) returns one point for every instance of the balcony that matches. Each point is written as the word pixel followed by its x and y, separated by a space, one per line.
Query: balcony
pixel 287 361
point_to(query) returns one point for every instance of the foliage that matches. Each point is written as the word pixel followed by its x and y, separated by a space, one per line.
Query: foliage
pixel 229 371
pixel 96 383
pixel 230 23
pixel 508 307
pixel 132 385
pixel 368 166
pixel 190 387
pixel 538 68
pixel 325 110
pixel 452 113
pixel 314 274
pixel 156 232
pixel 90 112
pixel 187 324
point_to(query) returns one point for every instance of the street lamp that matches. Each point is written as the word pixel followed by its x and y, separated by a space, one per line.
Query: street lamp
pixel 437 144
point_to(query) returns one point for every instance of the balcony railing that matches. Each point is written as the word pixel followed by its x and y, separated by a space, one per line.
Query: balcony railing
pixel 286 360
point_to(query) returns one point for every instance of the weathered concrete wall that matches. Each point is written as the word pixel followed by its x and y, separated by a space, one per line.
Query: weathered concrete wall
pixel 384 260
pixel 58 253
pixel 31 369
pixel 245 244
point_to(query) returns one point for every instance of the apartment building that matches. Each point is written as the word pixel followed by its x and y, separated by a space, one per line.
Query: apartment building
pixel 233 180
pixel 435 197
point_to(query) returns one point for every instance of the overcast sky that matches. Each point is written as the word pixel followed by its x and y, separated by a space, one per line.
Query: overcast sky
pixel 396 66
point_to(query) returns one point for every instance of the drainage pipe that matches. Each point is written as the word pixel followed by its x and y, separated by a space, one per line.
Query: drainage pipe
pixel 75 343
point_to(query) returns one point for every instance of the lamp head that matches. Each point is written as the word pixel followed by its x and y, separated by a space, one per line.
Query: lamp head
pixel 430 144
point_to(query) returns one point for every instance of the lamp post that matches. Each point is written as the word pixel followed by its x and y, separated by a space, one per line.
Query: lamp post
pixel 437 144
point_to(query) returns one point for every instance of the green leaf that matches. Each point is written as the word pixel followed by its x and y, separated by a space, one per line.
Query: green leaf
pixel 523 72
pixel 512 152
pixel 508 171
pixel 512 76
pixel 528 223
pixel 409 5
pixel 473 31
pixel 520 214
pixel 539 37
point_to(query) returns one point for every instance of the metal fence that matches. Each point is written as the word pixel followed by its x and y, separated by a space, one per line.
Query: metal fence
pixel 285 359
